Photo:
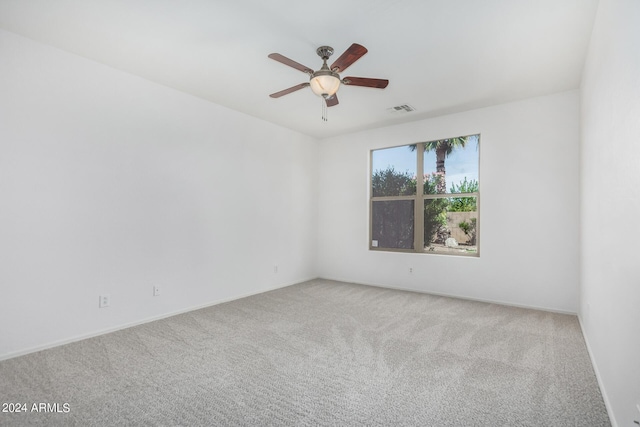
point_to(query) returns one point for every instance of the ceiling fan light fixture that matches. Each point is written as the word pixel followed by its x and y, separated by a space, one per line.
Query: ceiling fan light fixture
pixel 325 83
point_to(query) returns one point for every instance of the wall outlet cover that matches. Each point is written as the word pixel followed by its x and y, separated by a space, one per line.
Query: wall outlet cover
pixel 104 301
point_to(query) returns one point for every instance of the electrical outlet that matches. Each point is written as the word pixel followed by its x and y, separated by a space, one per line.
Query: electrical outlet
pixel 105 301
pixel 275 268
pixel 156 290
pixel 410 270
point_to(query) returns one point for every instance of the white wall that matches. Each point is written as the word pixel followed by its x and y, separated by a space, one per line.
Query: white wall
pixel 111 184
pixel 529 214
pixel 610 271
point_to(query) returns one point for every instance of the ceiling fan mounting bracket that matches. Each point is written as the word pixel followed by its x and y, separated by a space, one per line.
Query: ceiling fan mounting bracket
pixel 324 52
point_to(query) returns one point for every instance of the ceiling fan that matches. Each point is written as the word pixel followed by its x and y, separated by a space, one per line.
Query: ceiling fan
pixel 326 81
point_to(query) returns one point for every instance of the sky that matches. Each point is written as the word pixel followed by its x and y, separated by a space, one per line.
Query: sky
pixel 459 164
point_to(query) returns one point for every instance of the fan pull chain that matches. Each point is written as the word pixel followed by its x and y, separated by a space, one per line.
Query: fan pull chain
pixel 324 109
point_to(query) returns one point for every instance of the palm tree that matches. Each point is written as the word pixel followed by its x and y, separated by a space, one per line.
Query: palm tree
pixel 443 148
pixel 435 224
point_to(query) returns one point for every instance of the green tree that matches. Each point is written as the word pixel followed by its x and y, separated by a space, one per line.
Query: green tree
pixel 392 220
pixel 390 182
pixel 469 229
pixel 466 186
pixel 464 204
pixel 435 210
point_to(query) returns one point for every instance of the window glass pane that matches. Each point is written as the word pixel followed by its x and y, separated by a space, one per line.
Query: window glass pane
pixel 451 165
pixel 393 172
pixel 450 225
pixel 392 224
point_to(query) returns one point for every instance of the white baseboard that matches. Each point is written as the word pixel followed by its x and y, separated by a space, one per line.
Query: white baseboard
pixel 441 294
pixel 603 391
pixel 81 337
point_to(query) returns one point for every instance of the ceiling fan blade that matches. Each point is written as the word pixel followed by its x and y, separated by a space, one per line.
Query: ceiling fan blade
pixel 366 82
pixel 349 56
pixel 287 91
pixel 291 63
pixel 332 101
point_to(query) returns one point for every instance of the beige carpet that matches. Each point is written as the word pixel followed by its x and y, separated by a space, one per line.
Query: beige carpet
pixel 319 353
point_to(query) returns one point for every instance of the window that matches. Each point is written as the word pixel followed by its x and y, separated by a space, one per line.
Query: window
pixel 435 214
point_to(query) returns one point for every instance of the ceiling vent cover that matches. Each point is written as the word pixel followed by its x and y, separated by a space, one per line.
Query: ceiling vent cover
pixel 404 108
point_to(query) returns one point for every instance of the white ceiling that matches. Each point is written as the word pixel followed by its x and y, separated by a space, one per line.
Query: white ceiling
pixel 441 56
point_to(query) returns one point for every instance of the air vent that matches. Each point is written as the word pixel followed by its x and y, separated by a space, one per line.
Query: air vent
pixel 405 108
